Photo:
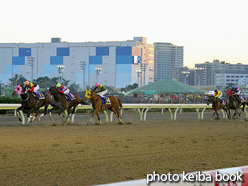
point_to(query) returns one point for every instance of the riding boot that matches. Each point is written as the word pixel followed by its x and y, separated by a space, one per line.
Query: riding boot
pixel 103 103
pixel 240 101
pixel 37 97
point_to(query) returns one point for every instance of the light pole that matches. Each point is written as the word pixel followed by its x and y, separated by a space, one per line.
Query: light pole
pixel 98 72
pixel 60 69
pixel 82 65
pixel 1 88
pixel 30 61
pixel 143 68
pixel 138 73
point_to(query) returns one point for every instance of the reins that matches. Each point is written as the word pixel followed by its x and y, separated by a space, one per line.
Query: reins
pixel 24 93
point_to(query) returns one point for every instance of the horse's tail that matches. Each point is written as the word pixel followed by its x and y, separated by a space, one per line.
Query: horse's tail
pixel 120 103
pixel 83 102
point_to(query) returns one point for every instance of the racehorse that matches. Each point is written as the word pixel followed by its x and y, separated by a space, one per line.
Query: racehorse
pixel 233 103
pixel 64 104
pixel 30 103
pixel 112 103
pixel 217 106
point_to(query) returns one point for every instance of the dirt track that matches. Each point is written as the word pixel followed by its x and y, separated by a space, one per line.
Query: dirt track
pixel 41 154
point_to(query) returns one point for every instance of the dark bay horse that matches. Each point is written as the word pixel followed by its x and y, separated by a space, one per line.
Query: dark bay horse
pixel 62 104
pixel 217 106
pixel 112 103
pixel 30 103
pixel 233 103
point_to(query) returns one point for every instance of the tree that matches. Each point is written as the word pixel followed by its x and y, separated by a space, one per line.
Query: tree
pixel 17 80
pixel 129 87
pixel 229 86
pixel 44 82
pixel 74 87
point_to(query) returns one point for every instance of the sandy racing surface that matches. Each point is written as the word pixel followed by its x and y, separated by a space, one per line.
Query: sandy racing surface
pixel 80 154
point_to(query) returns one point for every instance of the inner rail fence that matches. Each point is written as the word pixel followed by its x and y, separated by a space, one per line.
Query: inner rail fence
pixel 142 109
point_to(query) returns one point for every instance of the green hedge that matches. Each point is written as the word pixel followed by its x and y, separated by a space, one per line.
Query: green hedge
pixel 10 100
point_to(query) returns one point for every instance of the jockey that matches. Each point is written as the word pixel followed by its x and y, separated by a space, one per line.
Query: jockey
pixel 236 92
pixel 32 87
pixel 101 91
pixel 62 88
pixel 218 95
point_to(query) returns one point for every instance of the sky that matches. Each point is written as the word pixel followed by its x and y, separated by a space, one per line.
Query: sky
pixel 208 30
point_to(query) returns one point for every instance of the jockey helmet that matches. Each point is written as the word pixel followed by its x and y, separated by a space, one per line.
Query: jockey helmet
pixel 58 85
pixel 215 90
pixel 26 83
pixel 233 86
pixel 96 85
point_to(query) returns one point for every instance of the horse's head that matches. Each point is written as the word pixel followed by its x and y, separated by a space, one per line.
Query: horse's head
pixel 53 90
pixel 210 99
pixel 88 94
pixel 17 91
pixel 229 92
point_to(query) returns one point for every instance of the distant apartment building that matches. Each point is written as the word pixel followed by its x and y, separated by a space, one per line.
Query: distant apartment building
pixel 219 73
pixel 237 77
pixel 112 63
pixel 167 57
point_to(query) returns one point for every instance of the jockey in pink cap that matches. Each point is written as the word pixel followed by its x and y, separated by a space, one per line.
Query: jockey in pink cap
pixel 101 91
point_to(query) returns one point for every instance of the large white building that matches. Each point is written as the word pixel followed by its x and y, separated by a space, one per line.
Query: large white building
pixel 167 58
pixel 118 61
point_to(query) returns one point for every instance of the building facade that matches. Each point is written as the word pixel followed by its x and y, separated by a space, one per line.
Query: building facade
pixel 167 57
pixel 219 73
pixel 116 61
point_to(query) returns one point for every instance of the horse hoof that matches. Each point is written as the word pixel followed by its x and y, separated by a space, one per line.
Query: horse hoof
pixel 98 124
pixel 120 123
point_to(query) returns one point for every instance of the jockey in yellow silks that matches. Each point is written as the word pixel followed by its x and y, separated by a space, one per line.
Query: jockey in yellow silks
pixel 218 95
pixel 101 91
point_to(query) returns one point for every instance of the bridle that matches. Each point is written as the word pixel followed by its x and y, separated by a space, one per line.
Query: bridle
pixel 25 93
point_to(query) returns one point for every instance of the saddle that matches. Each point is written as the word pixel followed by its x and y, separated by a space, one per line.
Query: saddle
pixel 108 102
pixel 70 97
pixel 222 101
pixel 241 99
pixel 38 95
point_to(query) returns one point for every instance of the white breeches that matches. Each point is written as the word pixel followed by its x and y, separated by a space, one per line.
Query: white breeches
pixel 220 96
pixel 67 91
pixel 102 93
pixel 36 88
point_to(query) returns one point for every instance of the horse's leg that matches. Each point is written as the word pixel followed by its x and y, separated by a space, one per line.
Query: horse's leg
pixel 49 111
pixel 18 113
pixel 226 112
pixel 73 112
pixel 34 115
pixel 235 113
pixel 66 118
pixel 243 109
pixel 99 119
pixel 28 115
pixel 213 115
pixel 217 114
pixel 44 113
pixel 118 115
pixel 94 113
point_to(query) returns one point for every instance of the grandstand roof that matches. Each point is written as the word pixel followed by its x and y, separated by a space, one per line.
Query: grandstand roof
pixel 167 86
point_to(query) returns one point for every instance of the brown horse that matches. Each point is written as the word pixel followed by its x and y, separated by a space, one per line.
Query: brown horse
pixel 217 106
pixel 30 103
pixel 62 104
pixel 112 103
pixel 233 103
